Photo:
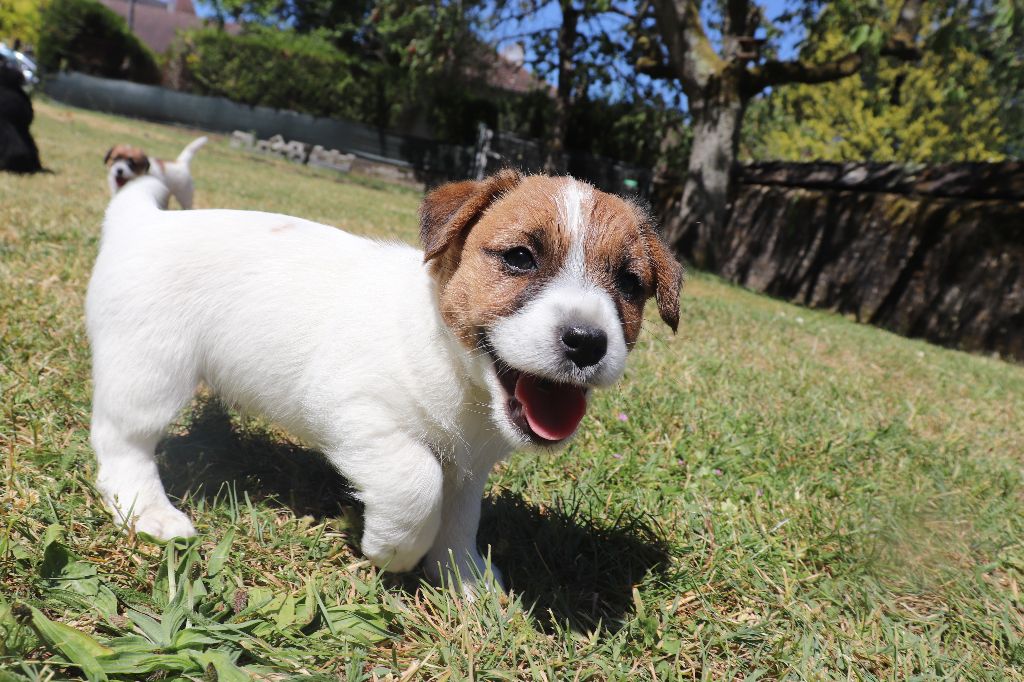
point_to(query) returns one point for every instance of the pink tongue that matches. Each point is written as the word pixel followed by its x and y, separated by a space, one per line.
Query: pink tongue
pixel 552 410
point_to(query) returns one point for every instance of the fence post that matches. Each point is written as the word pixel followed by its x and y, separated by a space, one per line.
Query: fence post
pixel 484 136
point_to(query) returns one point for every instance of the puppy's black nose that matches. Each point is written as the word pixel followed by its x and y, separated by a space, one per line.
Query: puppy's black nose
pixel 119 172
pixel 585 346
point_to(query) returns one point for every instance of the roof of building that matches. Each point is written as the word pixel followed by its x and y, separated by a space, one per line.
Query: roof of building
pixel 509 74
pixel 505 70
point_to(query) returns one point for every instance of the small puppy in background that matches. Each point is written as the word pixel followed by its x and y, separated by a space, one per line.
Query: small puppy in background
pixel 125 163
pixel 413 371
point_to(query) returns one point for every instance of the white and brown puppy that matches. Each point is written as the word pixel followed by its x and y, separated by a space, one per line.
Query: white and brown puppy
pixel 412 371
pixel 125 163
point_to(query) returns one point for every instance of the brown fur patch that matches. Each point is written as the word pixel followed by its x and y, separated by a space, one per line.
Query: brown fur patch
pixel 620 231
pixel 135 157
pixel 450 210
pixel 613 243
pixel 477 287
pixel 668 277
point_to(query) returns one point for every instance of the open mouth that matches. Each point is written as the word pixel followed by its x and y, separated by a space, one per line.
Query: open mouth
pixel 546 411
pixel 120 181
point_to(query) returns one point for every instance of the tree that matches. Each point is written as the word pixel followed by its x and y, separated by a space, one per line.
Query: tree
pixel 578 44
pixel 19 20
pixel 929 112
pixel 302 72
pixel 410 60
pixel 556 50
pixel 86 36
pixel 948 106
pixel 720 80
pixel 568 37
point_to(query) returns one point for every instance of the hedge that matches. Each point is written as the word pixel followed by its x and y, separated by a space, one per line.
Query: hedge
pixel 83 35
pixel 274 68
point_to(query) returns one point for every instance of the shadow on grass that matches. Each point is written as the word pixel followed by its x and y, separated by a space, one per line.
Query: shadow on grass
pixel 215 453
pixel 569 565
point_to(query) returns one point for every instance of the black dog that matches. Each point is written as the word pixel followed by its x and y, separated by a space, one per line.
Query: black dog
pixel 18 151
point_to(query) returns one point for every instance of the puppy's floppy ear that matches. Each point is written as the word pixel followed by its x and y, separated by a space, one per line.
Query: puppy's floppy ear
pixel 106 159
pixel 451 209
pixel 668 276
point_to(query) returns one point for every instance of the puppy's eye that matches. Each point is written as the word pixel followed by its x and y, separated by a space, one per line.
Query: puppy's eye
pixel 629 284
pixel 519 259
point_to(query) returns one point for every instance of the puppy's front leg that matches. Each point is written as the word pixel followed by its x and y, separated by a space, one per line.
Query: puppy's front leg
pixel 400 483
pixel 460 520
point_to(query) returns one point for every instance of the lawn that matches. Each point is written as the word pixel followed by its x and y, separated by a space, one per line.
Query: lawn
pixel 772 493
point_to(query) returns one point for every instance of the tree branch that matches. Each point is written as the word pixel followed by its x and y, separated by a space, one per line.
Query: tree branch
pixel 692 57
pixel 900 45
pixel 526 11
pixel 655 69
pixel 737 14
pixel 774 72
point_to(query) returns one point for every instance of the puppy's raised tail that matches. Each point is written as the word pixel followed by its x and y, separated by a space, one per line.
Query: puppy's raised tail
pixel 137 201
pixel 188 152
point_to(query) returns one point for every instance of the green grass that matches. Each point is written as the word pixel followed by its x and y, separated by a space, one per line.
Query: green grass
pixel 772 493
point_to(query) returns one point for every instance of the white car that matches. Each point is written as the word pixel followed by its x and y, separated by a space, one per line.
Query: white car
pixel 21 62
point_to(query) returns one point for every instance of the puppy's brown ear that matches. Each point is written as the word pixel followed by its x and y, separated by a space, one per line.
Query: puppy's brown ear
pixel 106 159
pixel 668 277
pixel 450 210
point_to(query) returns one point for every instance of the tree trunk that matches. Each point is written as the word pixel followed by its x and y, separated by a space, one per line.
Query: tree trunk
pixel 702 213
pixel 554 160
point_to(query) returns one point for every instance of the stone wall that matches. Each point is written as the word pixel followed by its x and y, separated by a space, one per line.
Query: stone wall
pixel 936 253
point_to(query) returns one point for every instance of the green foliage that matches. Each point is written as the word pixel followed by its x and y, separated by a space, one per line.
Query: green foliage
pixel 19 19
pixel 951 105
pixel 76 581
pixel 267 67
pixel 392 64
pixel 193 621
pixel 302 15
pixel 83 35
pixel 420 60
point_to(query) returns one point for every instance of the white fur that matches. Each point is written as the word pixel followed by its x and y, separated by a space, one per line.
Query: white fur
pixel 335 338
pixel 529 339
pixel 175 175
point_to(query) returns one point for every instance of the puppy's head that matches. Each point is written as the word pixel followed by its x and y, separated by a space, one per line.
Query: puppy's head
pixel 125 163
pixel 545 278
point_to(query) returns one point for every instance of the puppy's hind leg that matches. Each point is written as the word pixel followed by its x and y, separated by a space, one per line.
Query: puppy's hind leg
pixel 131 410
pixel 185 194
pixel 400 482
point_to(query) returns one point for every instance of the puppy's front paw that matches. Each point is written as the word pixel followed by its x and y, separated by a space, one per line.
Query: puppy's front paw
pixel 164 524
pixel 391 556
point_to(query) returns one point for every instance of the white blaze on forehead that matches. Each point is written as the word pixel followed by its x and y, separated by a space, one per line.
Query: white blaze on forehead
pixel 574 203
